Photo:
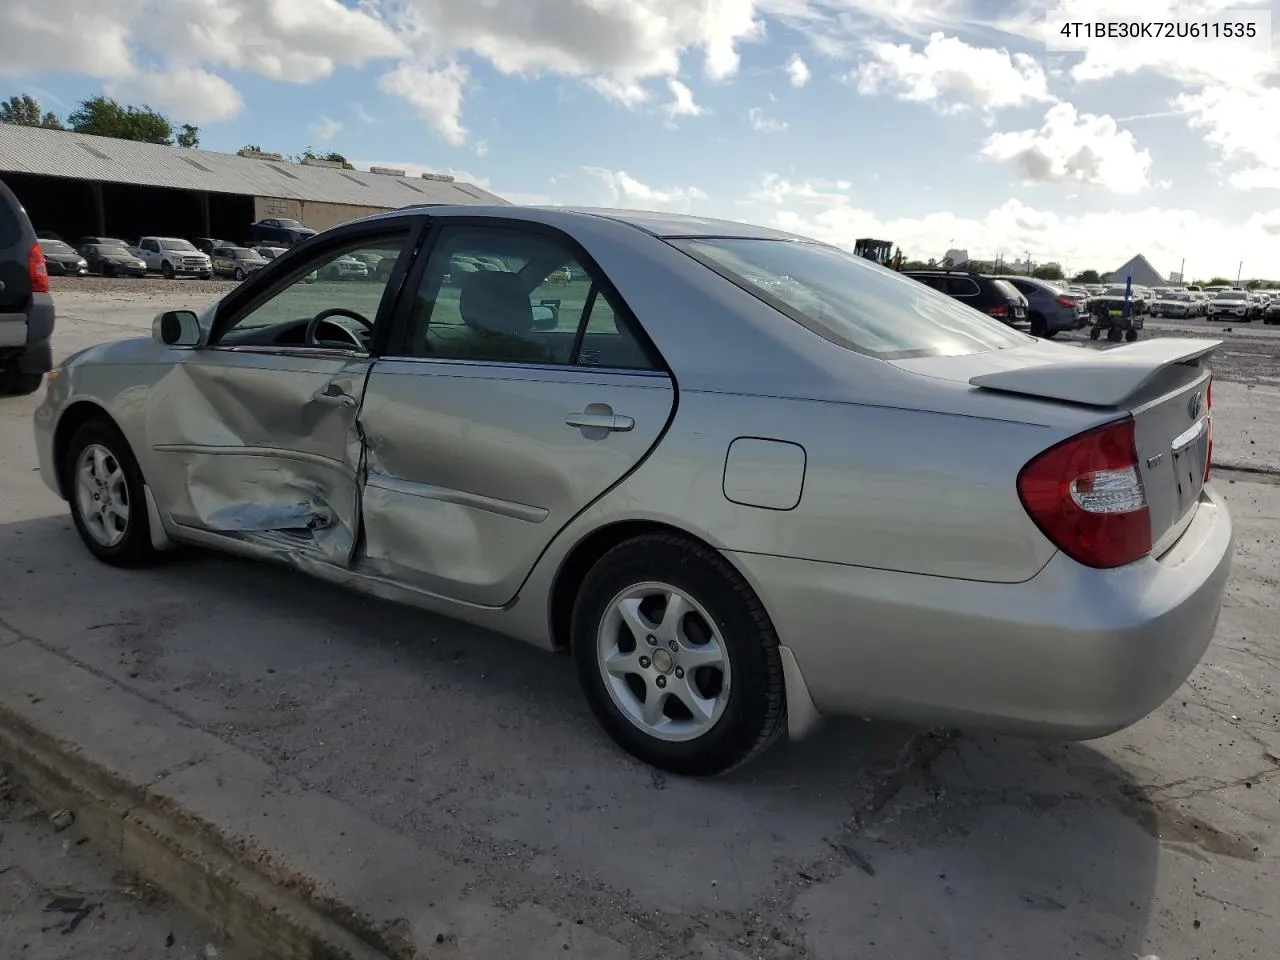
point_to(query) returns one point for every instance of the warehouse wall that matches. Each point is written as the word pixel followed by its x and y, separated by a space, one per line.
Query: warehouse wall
pixel 315 214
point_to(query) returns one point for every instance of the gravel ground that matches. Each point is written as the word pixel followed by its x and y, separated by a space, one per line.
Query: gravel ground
pixel 64 898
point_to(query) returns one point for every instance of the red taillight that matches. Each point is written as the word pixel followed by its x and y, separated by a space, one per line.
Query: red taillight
pixel 38 270
pixel 1208 405
pixel 1068 302
pixel 1086 496
pixel 999 310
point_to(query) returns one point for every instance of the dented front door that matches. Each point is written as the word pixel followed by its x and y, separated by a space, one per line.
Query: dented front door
pixel 263 446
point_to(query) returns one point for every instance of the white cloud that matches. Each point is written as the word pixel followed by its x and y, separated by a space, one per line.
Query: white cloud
pixel 1237 122
pixel 627 93
pixel 191 95
pixel 952 75
pixel 435 94
pixel 1074 148
pixel 797 71
pixel 626 191
pixel 775 189
pixel 682 103
pixel 1100 241
pixel 363 115
pixel 416 170
pixel 326 128
pixel 762 124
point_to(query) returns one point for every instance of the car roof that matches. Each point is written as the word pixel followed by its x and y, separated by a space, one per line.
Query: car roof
pixel 657 223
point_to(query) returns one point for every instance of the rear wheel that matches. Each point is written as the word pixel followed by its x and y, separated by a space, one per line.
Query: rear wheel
pixel 1131 335
pixel 1095 332
pixel 1115 334
pixel 677 657
pixel 108 503
pixel 1038 325
pixel 239 274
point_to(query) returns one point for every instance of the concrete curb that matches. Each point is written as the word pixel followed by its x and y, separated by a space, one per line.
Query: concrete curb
pixel 283 871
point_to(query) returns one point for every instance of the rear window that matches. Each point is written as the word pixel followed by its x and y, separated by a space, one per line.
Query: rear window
pixel 55 246
pixel 1008 289
pixel 850 301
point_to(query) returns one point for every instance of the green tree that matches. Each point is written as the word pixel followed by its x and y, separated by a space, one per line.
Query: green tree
pixel 1087 276
pixel 249 148
pixel 106 117
pixel 1049 271
pixel 24 111
pixel 189 136
pixel 1219 282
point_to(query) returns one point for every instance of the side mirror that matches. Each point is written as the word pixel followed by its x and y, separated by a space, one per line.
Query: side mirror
pixel 177 328
pixel 545 317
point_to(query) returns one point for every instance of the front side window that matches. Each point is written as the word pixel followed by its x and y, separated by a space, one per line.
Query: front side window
pixel 850 301
pixel 322 283
pixel 511 295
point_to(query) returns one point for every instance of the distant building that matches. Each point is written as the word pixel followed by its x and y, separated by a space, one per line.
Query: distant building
pixel 1175 278
pixel 1140 268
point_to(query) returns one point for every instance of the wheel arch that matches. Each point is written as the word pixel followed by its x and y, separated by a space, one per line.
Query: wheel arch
pixel 73 418
pixel 587 552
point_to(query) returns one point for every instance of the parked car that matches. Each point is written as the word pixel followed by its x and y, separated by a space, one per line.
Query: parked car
pixel 61 260
pixel 1231 305
pixel 1175 305
pixel 1050 310
pixel 206 244
pixel 26 306
pixel 345 268
pixel 275 230
pixel 782 543
pixel 271 253
pixel 173 257
pixel 109 241
pixel 995 298
pixel 1271 313
pixel 112 260
pixel 237 262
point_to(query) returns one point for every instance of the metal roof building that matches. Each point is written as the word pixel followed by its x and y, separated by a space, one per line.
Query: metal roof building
pixel 74 183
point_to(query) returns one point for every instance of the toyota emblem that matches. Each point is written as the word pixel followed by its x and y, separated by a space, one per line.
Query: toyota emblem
pixel 1193 404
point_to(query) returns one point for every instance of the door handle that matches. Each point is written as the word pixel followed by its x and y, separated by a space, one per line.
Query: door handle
pixel 332 394
pixel 600 421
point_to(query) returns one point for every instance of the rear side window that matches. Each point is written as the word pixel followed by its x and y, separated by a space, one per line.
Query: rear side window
pixel 11 219
pixel 1006 288
pixel 961 287
pixel 851 301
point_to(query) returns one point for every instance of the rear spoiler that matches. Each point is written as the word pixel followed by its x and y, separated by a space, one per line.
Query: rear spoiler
pixel 1098 378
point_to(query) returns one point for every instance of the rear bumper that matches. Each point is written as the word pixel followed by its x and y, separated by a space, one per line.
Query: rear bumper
pixel 1073 653
pixel 26 336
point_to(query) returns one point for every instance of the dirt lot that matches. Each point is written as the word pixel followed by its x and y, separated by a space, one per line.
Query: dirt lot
pixel 867 841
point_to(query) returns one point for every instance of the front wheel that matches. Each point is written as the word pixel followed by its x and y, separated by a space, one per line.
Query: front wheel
pixel 1095 332
pixel 239 274
pixel 677 656
pixel 166 270
pixel 108 504
pixel 1038 325
pixel 1115 334
pixel 1130 336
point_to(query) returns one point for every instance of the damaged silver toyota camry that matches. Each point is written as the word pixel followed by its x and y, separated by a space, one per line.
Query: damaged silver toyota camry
pixel 744 478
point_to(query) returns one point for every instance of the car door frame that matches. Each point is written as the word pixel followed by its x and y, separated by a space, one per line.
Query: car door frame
pixel 397 349
pixel 336 549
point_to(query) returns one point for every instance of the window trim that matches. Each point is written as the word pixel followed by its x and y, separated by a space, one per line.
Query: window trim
pixel 397 346
pixel 270 280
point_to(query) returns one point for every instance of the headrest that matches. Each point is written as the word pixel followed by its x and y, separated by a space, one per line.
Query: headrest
pixel 495 302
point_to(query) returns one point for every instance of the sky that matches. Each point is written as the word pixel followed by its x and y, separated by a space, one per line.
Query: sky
pixel 934 124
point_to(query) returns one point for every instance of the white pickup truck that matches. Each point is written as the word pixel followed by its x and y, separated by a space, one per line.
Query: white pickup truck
pixel 173 257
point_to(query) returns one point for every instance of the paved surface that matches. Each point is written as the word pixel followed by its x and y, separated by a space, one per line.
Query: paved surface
pixel 62 898
pixel 1160 840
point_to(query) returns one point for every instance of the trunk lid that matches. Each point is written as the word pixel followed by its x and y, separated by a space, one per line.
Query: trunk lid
pixel 1163 384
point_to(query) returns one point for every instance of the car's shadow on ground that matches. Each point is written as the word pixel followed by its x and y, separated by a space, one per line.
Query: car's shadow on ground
pixel 483 748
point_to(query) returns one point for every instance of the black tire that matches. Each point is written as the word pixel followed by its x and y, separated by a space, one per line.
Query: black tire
pixel 1130 336
pixel 166 270
pixel 239 274
pixel 108 271
pixel 134 549
pixel 755 713
pixel 1038 325
pixel 15 383
pixel 1115 335
pixel 1095 333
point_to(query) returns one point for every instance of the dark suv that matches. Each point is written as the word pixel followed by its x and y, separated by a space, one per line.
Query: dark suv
pixel 26 307
pixel 995 298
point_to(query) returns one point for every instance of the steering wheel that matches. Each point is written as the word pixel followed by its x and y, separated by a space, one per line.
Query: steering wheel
pixel 309 334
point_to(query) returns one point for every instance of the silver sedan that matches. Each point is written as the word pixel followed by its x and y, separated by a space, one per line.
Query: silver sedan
pixel 743 478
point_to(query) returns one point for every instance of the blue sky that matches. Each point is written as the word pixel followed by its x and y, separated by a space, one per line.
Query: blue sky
pixel 931 124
